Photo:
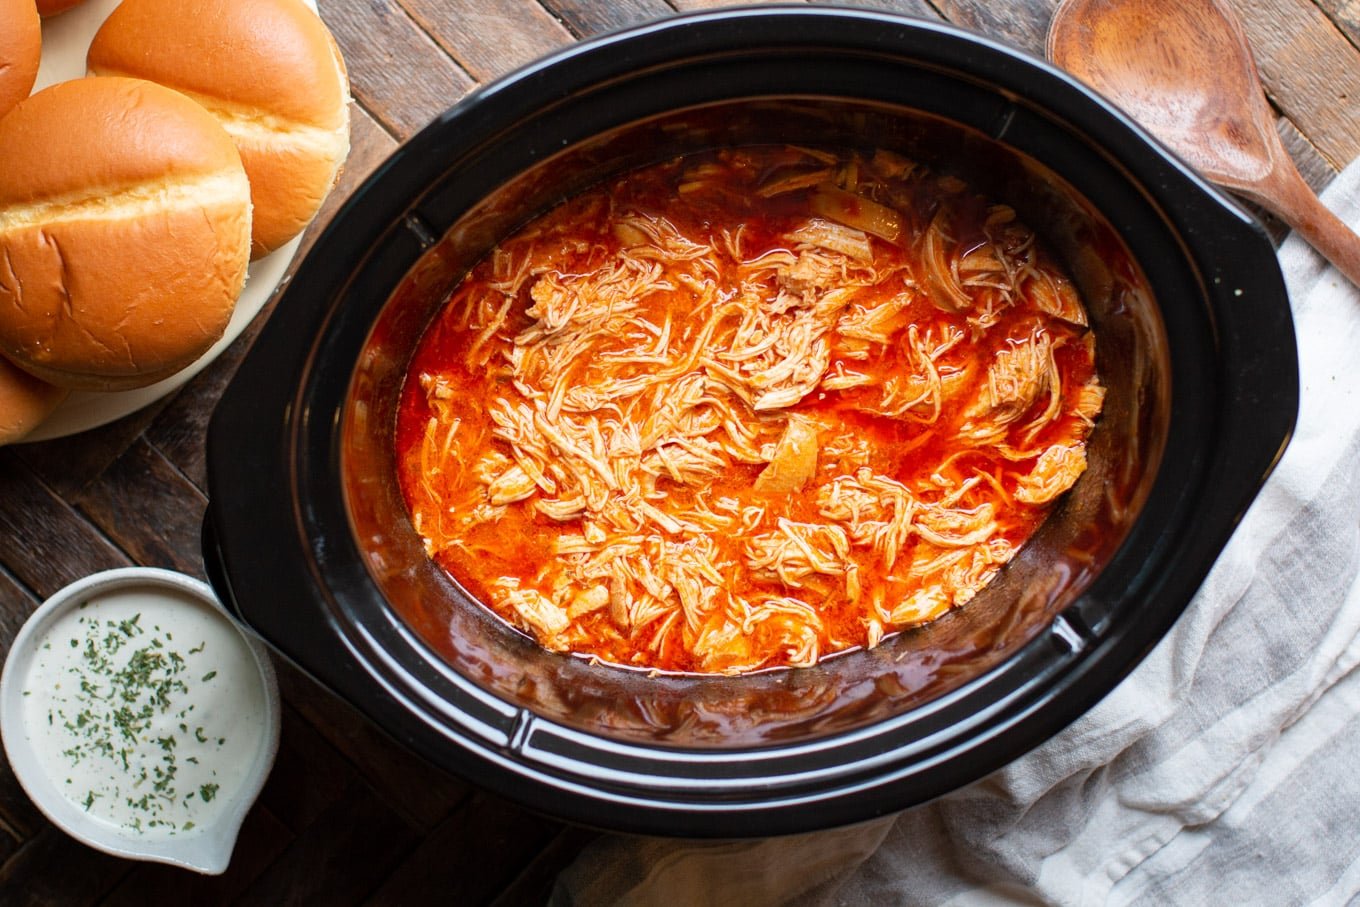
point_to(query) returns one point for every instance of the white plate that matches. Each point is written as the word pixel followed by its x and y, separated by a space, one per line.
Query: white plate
pixel 66 40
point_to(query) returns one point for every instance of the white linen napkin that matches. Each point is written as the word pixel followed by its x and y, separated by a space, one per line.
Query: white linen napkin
pixel 1224 770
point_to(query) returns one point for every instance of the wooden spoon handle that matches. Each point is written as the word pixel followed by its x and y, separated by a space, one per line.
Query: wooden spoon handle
pixel 1294 201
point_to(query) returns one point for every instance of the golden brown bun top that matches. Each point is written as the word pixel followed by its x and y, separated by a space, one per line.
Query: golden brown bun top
pixel 97 135
pixel 273 56
pixel 24 402
pixel 52 7
pixel 20 51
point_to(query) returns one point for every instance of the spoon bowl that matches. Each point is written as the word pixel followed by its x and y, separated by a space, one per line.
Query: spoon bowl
pixel 1184 70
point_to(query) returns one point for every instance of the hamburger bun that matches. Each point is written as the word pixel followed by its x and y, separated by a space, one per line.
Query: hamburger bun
pixel 20 51
pixel 24 402
pixel 124 233
pixel 52 7
pixel 270 72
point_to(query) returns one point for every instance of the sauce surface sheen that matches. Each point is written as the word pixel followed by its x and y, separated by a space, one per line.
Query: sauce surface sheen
pixel 746 409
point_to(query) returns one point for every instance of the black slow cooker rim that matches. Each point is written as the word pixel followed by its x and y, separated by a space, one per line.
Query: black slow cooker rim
pixel 1091 657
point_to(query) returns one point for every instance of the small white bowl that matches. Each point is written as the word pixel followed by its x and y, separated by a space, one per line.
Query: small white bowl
pixel 208 847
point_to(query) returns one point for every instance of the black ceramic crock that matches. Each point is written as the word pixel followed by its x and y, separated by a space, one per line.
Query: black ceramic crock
pixel 307 542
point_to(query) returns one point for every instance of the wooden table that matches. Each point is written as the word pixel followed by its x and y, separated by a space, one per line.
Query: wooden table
pixel 349 817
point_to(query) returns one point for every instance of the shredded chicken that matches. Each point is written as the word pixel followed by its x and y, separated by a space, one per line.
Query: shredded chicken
pixel 819 402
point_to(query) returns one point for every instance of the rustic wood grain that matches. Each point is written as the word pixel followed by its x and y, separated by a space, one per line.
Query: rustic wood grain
pixel 422 793
pixel 587 18
pixel 52 868
pixel 468 858
pixel 308 774
pixel 16 603
pixel 10 844
pixel 143 480
pixel 907 7
pixel 43 541
pixel 68 464
pixel 263 838
pixel 19 820
pixel 1311 72
pixel 1316 170
pixel 1346 15
pixel 694 5
pixel 491 38
pixel 396 70
pixel 337 860
pixel 18 814
pixel 1025 25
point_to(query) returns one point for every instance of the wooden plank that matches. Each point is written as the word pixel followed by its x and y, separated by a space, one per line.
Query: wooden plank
pixel 263 837
pixel 20 817
pixel 180 431
pixel 308 774
pixel 1024 25
pixel 43 542
pixel 422 793
pixel 16 603
pixel 587 18
pixel 342 856
pixel 1311 72
pixel 907 7
pixel 68 464
pixel 910 7
pixel 470 857
pixel 1317 171
pixel 52 868
pixel 534 884
pixel 396 70
pixel 489 38
pixel 692 5
pixel 147 506
pixel 1346 15
pixel 10 843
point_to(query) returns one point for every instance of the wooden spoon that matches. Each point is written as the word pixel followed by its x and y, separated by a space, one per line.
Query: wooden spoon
pixel 1183 69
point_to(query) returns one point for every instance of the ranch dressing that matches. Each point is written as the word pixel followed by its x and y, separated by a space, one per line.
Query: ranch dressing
pixel 146 711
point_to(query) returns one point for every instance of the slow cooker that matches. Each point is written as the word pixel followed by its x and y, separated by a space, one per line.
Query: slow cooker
pixel 307 541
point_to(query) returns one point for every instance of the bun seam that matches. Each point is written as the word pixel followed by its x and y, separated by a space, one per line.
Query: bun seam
pixel 195 191
pixel 250 117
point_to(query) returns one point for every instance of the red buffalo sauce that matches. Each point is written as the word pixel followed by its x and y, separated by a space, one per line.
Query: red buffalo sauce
pixel 746 409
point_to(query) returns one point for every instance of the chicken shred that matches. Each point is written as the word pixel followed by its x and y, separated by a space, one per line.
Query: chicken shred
pixel 825 398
